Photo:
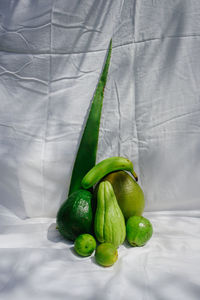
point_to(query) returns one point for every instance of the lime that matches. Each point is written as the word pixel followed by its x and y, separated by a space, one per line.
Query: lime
pixel 85 244
pixel 138 230
pixel 106 254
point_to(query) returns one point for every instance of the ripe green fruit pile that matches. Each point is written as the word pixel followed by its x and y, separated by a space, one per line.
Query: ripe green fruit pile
pixel 117 197
pixel 109 215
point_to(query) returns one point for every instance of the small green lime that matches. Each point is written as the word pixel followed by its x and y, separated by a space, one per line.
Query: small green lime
pixel 85 244
pixel 138 230
pixel 106 254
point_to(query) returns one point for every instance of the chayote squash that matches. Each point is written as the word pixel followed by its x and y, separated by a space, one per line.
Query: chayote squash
pixel 109 222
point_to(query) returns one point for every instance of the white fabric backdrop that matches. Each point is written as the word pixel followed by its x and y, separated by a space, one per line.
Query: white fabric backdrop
pixel 51 56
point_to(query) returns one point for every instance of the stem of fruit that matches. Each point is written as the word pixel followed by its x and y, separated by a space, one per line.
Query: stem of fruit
pixel 134 175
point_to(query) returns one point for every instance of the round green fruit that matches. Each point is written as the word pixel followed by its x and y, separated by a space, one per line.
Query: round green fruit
pixel 106 254
pixel 138 231
pixel 85 244
pixel 75 215
pixel 129 194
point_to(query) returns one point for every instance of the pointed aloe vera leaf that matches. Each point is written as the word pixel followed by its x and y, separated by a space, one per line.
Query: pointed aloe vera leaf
pixel 86 155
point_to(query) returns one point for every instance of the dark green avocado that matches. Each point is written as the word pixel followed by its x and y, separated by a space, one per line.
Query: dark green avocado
pixel 75 215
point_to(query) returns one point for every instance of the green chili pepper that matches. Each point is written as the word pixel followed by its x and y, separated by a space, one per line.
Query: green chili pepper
pixel 86 155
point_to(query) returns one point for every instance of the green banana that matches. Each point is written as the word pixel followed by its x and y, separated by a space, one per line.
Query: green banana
pixel 106 166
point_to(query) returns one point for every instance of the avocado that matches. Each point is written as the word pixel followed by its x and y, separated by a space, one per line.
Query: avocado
pixel 75 215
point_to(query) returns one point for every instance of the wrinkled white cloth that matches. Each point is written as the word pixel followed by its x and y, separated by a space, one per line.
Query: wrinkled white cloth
pixel 36 263
pixel 51 56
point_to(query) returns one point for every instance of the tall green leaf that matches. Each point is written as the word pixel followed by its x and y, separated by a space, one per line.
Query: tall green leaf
pixel 86 155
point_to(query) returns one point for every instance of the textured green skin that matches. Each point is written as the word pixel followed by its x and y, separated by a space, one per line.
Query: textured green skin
pixel 106 254
pixel 128 192
pixel 86 155
pixel 109 223
pixel 105 167
pixel 75 215
pixel 138 230
pixel 85 244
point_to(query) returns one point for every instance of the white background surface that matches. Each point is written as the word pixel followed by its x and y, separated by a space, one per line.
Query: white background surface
pixel 51 57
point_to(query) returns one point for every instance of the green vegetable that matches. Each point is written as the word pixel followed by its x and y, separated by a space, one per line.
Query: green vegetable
pixel 104 167
pixel 75 215
pixel 129 194
pixel 86 155
pixel 109 223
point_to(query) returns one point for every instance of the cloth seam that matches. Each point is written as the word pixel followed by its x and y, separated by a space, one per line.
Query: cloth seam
pixel 102 50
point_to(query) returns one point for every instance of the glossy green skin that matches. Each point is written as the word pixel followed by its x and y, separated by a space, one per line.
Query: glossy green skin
pixel 106 254
pixel 75 215
pixel 105 167
pixel 138 231
pixel 129 194
pixel 109 223
pixel 86 155
pixel 85 244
